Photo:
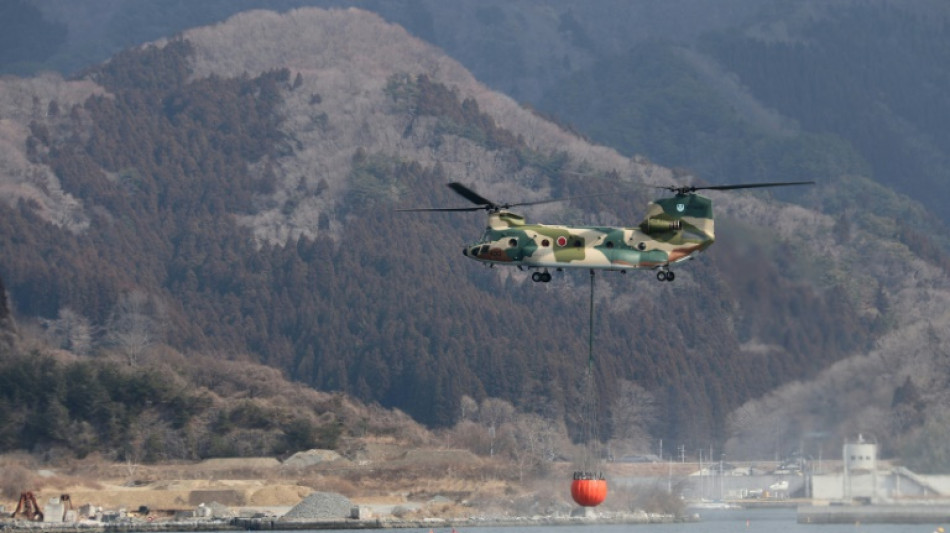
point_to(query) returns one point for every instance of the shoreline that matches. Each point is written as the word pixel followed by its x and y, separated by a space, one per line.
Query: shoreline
pixel 273 524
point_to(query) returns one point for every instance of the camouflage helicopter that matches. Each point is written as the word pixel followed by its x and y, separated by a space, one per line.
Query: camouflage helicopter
pixel 675 229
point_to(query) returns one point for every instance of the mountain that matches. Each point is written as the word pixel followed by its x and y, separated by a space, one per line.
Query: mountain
pixel 729 90
pixel 817 89
pixel 232 191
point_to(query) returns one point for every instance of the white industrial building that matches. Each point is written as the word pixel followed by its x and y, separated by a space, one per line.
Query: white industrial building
pixel 863 479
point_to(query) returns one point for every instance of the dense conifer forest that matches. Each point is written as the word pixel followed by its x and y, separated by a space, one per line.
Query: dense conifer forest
pixel 381 306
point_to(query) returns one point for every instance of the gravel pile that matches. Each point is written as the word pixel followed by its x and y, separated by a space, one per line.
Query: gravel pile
pixel 320 506
pixel 311 457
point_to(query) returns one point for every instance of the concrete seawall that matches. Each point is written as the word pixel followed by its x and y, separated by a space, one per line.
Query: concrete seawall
pixel 874 514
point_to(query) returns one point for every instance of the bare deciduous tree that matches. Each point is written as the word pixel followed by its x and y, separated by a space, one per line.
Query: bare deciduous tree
pixel 631 414
pixel 468 408
pixel 493 413
pixel 72 331
pixel 469 435
pixel 136 324
pixel 533 441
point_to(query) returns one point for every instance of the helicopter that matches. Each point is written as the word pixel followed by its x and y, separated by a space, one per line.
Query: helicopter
pixel 675 229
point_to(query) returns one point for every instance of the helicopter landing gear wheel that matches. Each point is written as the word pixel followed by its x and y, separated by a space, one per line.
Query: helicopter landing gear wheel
pixel 665 275
pixel 542 277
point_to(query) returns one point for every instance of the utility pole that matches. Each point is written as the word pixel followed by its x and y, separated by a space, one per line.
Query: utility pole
pixel 721 478
pixel 702 476
pixel 669 478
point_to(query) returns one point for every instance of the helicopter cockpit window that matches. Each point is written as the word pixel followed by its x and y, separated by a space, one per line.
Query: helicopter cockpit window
pixel 512 243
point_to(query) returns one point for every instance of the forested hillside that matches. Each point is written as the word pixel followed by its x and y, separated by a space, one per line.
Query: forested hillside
pixel 886 108
pixel 742 89
pixel 232 193
pixel 817 89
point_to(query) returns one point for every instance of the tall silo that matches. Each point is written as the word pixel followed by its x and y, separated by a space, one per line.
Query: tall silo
pixel 860 463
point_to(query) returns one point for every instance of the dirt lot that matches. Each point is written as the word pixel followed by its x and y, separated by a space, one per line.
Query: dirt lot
pixel 381 480
pixel 381 477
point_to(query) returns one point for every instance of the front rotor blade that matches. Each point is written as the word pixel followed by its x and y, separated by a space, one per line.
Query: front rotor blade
pixel 484 203
pixel 564 199
pixel 470 195
pixel 476 208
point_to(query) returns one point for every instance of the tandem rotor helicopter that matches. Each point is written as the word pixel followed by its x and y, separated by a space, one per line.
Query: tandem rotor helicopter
pixel 675 229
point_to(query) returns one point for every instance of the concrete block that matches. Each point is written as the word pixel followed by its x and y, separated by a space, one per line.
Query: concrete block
pixel 360 512
pixel 53 511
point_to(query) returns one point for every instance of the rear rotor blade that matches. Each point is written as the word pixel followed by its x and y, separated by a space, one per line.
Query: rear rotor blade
pixel 755 185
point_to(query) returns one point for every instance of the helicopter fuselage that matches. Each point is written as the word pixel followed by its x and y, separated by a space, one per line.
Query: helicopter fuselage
pixel 675 230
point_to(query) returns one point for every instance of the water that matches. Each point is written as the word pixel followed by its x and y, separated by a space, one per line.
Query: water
pixel 733 521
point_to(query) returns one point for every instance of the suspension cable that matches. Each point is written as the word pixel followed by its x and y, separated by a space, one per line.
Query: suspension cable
pixel 590 403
